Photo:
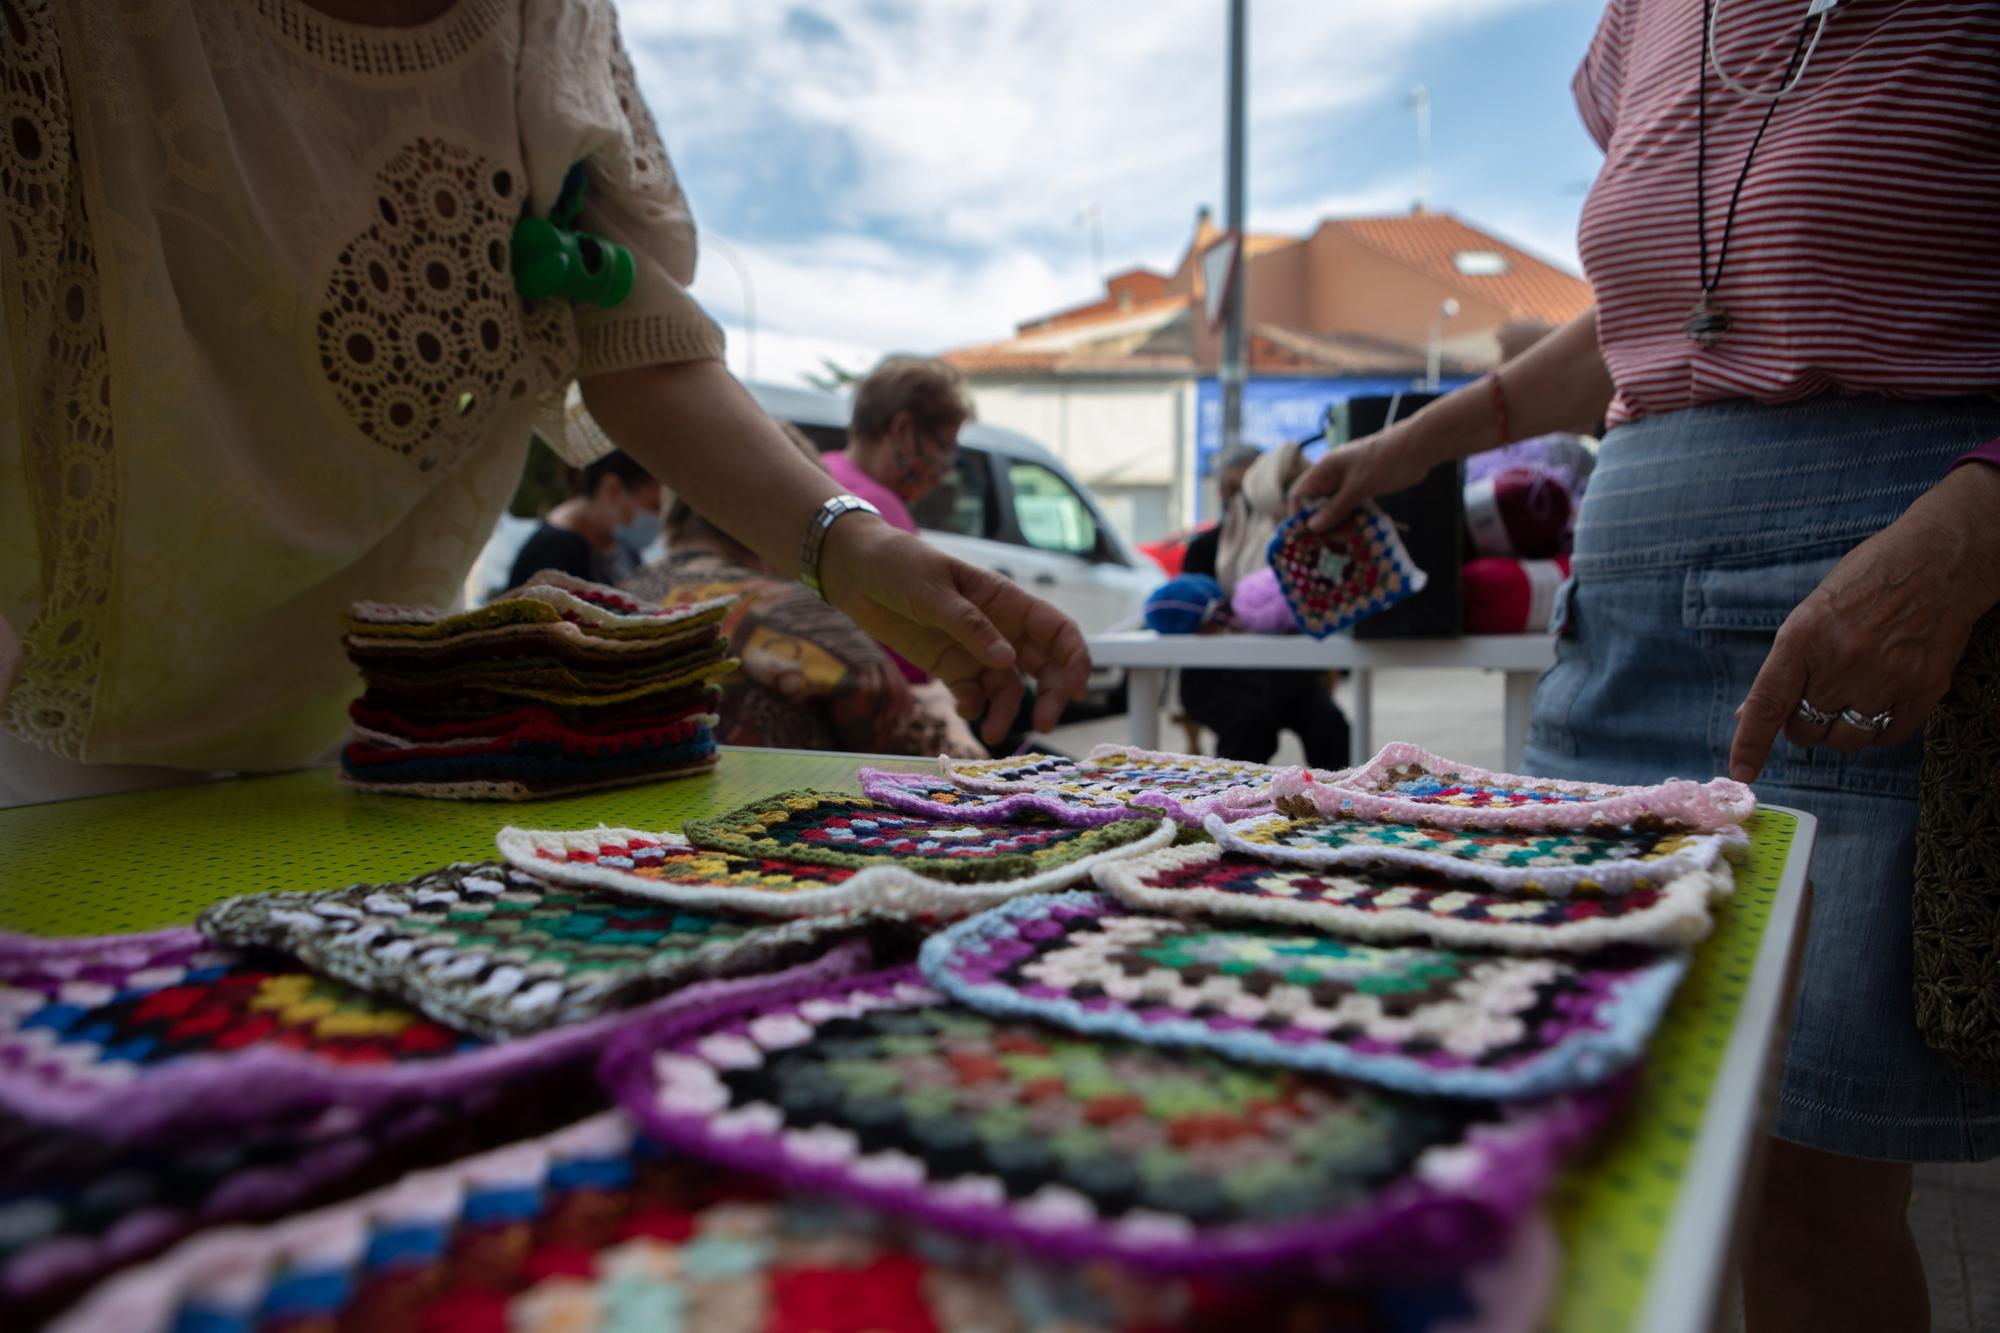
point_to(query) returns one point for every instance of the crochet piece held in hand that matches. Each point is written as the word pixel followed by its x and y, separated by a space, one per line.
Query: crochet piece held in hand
pixel 1183 787
pixel 1561 861
pixel 499 952
pixel 1334 580
pixel 1404 904
pixel 879 1089
pixel 1411 1017
pixel 1408 782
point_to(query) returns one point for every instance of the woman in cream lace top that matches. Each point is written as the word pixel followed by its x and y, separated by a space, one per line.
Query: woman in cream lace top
pixel 263 356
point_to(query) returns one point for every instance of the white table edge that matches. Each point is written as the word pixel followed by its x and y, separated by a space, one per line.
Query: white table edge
pixel 1685 1288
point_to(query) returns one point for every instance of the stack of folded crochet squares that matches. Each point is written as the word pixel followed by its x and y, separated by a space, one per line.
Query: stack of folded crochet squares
pixel 559 686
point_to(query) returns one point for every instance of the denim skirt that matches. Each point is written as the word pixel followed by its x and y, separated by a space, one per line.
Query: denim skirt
pixel 1700 532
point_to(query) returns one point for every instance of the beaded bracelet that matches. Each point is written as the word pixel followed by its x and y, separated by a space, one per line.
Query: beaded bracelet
pixel 815 544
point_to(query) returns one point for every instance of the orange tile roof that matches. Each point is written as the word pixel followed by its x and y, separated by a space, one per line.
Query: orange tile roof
pixel 1531 288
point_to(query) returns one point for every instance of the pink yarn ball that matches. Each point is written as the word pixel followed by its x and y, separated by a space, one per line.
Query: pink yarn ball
pixel 1259 605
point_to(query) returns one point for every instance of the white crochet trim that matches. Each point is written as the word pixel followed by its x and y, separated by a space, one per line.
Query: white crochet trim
pixel 217 1265
pixel 893 888
pixel 1701 852
pixel 1702 806
pixel 1681 916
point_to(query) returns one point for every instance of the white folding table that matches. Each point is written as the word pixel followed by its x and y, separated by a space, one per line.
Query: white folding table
pixel 1147 657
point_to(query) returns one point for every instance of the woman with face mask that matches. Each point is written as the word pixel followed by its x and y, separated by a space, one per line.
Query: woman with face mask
pixel 602 531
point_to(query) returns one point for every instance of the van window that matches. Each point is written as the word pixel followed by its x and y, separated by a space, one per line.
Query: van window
pixel 1053 517
pixel 965 503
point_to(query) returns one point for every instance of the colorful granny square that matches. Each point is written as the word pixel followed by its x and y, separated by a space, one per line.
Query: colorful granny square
pixel 499 952
pixel 132 1037
pixel 1183 787
pixel 667 868
pixel 941 798
pixel 1408 782
pixel 881 1090
pixel 1415 904
pixel 1556 861
pixel 596 1227
pixel 1336 579
pixel 853 833
pixel 76 1208
pixel 1413 1017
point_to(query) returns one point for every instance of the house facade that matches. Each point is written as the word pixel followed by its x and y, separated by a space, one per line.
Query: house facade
pixel 1124 388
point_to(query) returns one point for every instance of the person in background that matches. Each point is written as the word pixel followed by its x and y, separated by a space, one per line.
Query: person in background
pixel 256 288
pixel 1246 709
pixel 902 438
pixel 602 531
pixel 1789 535
pixel 810 679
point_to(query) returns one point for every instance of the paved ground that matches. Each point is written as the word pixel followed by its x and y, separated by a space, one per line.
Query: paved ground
pixel 1457 713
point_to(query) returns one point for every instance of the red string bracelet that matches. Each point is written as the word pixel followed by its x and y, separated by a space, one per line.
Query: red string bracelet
pixel 1498 393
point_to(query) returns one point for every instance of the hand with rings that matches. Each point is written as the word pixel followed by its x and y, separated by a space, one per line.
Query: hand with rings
pixel 1870 651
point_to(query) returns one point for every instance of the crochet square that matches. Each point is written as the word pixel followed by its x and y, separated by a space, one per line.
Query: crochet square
pixel 1402 904
pixel 495 951
pixel 1184 787
pixel 1408 782
pixel 941 798
pixel 1414 1017
pixel 597 1227
pixel 77 1208
pixel 133 1037
pixel 1337 579
pixel 853 832
pixel 665 867
pixel 1556 861
pixel 880 1090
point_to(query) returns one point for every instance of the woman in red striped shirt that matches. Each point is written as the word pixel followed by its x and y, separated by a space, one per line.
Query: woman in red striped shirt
pixel 1791 527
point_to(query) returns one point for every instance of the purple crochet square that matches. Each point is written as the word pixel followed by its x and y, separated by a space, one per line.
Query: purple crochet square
pixel 133 1037
pixel 879 1089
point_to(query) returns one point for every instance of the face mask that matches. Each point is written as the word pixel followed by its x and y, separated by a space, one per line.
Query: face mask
pixel 641 531
pixel 921 467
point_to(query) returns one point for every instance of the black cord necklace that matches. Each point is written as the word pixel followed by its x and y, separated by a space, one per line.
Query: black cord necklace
pixel 1708 321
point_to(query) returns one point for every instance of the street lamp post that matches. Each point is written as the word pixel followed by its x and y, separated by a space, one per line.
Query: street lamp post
pixel 1434 365
pixel 1232 325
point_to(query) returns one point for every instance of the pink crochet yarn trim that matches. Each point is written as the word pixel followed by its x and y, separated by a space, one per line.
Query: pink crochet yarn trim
pixel 1371 792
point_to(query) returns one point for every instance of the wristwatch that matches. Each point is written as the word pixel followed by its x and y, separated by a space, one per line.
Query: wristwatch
pixel 822 523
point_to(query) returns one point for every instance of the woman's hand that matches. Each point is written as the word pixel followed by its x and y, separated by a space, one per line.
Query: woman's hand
pixel 1352 474
pixel 972 629
pixel 1883 632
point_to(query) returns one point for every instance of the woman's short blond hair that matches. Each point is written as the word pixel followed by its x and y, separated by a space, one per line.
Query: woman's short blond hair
pixel 930 390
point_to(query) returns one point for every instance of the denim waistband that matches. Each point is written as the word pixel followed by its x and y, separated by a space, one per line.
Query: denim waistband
pixel 1745 482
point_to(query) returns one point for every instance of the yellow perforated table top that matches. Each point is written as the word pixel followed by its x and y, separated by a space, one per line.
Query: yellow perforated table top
pixel 150 859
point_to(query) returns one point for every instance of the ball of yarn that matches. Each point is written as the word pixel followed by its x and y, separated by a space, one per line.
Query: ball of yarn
pixel 1182 605
pixel 1521 512
pixel 1259 604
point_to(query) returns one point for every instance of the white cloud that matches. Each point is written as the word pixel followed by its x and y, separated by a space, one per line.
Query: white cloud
pixel 927 160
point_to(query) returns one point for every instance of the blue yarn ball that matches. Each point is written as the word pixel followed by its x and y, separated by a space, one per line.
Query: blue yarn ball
pixel 1182 605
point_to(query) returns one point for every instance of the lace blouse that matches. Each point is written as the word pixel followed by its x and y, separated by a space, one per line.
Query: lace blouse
pixel 262 351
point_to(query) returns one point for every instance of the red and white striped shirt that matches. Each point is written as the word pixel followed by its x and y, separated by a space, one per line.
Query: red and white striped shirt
pixel 1866 251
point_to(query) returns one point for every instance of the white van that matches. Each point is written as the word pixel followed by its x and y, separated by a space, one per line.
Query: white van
pixel 1013 508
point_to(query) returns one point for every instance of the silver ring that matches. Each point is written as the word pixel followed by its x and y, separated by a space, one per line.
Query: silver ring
pixel 1814 715
pixel 1882 721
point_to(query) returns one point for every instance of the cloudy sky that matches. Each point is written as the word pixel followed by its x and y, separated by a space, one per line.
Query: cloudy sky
pixel 919 174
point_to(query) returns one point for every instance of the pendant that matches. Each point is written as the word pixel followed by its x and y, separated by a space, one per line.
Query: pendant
pixel 1706 324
